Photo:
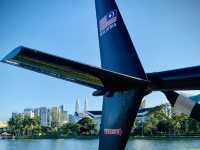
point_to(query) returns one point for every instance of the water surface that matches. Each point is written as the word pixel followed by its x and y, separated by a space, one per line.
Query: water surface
pixel 92 144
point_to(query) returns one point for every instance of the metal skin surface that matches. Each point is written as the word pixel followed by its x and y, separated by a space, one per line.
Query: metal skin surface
pixel 98 78
pixel 118 54
pixel 178 79
pixel 70 70
pixel 119 112
pixel 116 48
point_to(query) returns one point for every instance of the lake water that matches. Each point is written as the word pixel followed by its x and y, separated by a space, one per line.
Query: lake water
pixel 74 144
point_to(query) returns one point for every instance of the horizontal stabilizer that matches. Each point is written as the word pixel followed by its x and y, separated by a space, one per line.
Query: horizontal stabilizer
pixel 178 79
pixel 69 70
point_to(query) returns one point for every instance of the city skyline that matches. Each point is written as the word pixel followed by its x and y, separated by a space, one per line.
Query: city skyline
pixel 81 109
pixel 56 116
pixel 82 105
pixel 27 111
pixel 57 27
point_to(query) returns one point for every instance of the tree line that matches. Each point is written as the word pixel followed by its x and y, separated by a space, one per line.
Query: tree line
pixel 25 126
pixel 162 121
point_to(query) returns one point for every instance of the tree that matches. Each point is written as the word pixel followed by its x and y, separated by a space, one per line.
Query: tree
pixel 164 126
pixel 66 128
pixel 24 125
pixel 87 126
pixel 12 125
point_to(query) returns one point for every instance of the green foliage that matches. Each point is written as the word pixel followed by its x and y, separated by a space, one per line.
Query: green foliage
pixel 87 126
pixel 164 126
pixel 83 127
pixel 24 126
pixel 29 127
pixel 160 121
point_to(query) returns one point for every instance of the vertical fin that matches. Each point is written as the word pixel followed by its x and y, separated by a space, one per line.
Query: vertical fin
pixel 116 48
pixel 117 54
pixel 119 112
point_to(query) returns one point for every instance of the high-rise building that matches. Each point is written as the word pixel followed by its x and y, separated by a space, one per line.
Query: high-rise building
pixel 29 112
pixel 43 116
pixel 61 114
pixel 61 107
pixel 85 105
pixel 77 106
pixel 36 112
pixel 49 117
pixel 14 114
pixel 55 117
pixel 65 117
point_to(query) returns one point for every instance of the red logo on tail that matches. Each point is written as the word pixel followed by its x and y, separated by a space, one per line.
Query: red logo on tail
pixel 113 131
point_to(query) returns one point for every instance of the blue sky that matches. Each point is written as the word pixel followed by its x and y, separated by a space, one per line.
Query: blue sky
pixel 166 35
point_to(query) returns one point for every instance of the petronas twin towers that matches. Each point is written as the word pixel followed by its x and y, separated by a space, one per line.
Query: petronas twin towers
pixel 77 105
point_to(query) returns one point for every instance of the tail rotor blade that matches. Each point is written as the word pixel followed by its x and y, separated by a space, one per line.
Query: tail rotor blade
pixel 183 104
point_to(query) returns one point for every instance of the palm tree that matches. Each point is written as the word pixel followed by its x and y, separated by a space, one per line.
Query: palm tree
pixel 12 125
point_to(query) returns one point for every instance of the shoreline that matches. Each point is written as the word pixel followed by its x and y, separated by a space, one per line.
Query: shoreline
pixel 96 137
pixel 59 137
pixel 164 137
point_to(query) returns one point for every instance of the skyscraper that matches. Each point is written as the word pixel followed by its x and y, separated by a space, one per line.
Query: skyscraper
pixel 85 105
pixel 55 116
pixel 77 106
pixel 65 117
pixel 61 114
pixel 36 112
pixel 28 112
pixel 43 116
pixel 14 114
pixel 49 117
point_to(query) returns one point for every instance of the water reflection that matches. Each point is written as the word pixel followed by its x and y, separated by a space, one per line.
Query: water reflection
pixel 75 144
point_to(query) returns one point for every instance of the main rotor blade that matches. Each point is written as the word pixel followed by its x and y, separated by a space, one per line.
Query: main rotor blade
pixel 72 71
pixel 177 79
